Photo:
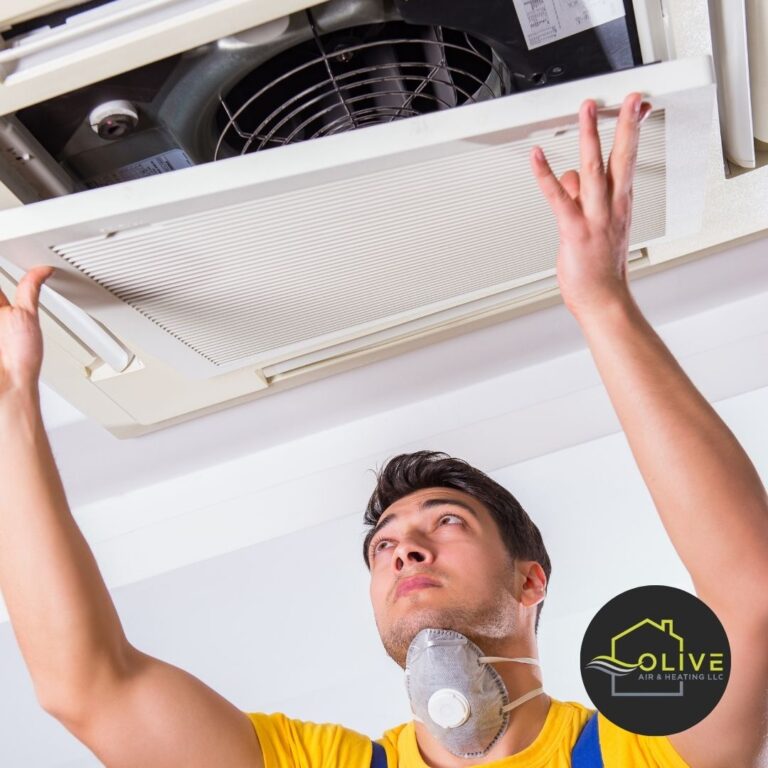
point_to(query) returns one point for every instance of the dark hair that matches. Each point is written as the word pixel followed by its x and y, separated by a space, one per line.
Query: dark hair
pixel 411 472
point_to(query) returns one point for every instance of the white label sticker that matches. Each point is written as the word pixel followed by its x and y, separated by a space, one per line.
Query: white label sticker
pixel 545 21
pixel 150 166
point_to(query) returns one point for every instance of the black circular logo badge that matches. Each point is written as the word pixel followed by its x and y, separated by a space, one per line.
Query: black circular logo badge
pixel 655 660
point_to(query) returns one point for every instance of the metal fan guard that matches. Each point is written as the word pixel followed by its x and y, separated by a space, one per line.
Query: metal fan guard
pixel 370 94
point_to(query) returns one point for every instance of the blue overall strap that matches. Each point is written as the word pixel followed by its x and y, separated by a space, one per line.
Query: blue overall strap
pixel 379 756
pixel 586 751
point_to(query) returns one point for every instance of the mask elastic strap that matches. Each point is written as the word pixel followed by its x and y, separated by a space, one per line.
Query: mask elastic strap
pixel 523 659
pixel 525 697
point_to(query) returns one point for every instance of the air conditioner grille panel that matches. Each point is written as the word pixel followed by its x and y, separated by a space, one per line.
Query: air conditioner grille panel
pixel 308 267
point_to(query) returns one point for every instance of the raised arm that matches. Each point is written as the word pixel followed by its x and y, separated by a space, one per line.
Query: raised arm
pixel 709 496
pixel 127 707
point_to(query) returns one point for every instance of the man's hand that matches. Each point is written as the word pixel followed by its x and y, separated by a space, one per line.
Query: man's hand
pixel 594 209
pixel 21 342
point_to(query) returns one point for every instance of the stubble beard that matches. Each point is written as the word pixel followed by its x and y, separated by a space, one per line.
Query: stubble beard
pixel 486 624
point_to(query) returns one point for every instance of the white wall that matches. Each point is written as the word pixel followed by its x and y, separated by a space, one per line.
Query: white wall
pixel 285 625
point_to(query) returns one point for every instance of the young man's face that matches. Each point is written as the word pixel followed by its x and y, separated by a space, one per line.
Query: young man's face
pixel 449 539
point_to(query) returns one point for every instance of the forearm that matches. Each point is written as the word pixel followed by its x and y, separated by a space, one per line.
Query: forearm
pixel 61 612
pixel 709 496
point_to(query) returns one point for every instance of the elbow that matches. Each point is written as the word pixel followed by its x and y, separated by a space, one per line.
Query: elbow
pixel 68 708
pixel 71 699
pixel 73 704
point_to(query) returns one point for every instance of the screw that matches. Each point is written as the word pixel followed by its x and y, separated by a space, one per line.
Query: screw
pixel 343 56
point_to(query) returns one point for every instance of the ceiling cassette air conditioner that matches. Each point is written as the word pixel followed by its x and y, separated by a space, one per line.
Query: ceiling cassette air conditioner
pixel 318 191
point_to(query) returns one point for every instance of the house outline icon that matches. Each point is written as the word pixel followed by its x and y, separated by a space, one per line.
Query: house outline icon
pixel 664 626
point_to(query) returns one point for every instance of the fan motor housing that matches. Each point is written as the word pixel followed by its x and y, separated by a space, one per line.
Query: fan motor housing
pixel 341 65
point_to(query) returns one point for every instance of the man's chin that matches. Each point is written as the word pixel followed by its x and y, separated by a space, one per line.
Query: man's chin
pixel 400 634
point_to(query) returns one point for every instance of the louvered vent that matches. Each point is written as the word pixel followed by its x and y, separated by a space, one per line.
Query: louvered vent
pixel 274 278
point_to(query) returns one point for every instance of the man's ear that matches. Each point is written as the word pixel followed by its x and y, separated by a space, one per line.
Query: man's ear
pixel 534 583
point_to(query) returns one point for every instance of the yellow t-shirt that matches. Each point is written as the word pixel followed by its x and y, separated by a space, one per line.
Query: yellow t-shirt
pixel 289 743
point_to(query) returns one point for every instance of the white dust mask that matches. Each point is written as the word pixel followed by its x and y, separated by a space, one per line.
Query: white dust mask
pixel 457 694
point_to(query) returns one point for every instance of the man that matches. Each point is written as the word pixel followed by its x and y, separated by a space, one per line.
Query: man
pixel 450 549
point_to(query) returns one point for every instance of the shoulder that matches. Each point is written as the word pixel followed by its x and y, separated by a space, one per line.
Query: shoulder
pixel 289 741
pixel 400 744
pixel 569 717
pixel 575 710
pixel 617 746
pixel 627 749
pixel 392 735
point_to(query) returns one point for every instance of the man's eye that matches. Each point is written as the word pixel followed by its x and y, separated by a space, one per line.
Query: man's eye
pixel 376 546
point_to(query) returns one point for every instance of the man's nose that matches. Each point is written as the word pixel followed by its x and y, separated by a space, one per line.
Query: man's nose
pixel 410 552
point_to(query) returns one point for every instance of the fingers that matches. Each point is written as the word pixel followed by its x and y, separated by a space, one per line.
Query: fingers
pixel 571 183
pixel 563 206
pixel 28 291
pixel 594 184
pixel 621 166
